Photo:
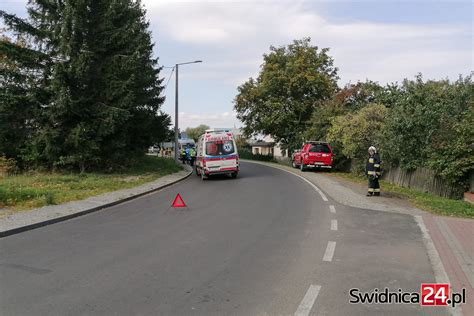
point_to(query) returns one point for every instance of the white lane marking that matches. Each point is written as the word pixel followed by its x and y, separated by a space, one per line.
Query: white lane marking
pixel 438 268
pixel 332 209
pixel 333 224
pixel 308 300
pixel 329 251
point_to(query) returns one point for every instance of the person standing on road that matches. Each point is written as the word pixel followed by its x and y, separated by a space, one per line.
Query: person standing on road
pixel 183 155
pixel 192 156
pixel 373 172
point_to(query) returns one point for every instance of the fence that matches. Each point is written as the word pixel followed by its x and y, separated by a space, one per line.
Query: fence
pixel 422 179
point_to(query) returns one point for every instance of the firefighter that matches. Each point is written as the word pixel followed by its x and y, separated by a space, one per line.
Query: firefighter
pixel 373 172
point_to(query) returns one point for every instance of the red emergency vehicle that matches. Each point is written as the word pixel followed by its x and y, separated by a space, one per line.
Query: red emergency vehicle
pixel 314 154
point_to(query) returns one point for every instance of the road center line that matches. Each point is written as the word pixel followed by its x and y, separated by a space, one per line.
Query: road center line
pixel 332 209
pixel 308 301
pixel 329 251
pixel 333 224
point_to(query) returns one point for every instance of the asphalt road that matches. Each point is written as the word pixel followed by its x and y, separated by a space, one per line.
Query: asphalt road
pixel 255 245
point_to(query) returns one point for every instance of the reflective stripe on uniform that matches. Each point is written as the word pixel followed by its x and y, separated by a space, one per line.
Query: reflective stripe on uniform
pixel 371 160
pixel 371 172
pixel 378 173
pixel 376 190
pixel 370 190
pixel 377 165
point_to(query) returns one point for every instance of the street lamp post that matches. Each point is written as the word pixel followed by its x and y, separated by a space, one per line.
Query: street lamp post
pixel 176 129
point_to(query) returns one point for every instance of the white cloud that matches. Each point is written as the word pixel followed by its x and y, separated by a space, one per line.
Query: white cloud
pixel 236 31
pixel 223 119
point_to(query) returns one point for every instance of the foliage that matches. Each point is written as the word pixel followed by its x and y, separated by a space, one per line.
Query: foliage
pixel 21 91
pixel 431 126
pixel 36 189
pixel 350 98
pixel 7 166
pixel 98 98
pixel 355 132
pixel 246 154
pixel 293 81
pixel 242 143
pixel 195 132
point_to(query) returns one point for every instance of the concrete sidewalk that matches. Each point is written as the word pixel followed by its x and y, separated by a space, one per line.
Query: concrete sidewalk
pixel 452 238
pixel 26 220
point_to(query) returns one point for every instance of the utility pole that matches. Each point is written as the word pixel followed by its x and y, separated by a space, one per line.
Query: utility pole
pixel 176 126
pixel 176 131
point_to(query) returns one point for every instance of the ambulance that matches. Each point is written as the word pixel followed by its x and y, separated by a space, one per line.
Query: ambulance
pixel 216 153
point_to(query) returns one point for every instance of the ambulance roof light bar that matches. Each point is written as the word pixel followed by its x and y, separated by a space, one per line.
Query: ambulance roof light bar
pixel 214 130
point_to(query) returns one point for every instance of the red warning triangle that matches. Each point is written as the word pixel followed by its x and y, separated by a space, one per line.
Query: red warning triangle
pixel 178 201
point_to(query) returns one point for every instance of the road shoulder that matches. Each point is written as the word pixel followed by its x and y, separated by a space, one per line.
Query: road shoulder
pixel 23 221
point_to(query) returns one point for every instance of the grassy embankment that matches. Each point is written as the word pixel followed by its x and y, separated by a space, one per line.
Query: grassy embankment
pixel 425 201
pixel 36 189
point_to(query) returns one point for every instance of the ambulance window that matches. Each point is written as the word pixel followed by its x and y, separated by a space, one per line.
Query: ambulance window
pixel 211 148
pixel 218 148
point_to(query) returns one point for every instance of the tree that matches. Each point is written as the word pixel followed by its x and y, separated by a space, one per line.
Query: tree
pixel 351 98
pixel 431 126
pixel 355 132
pixel 195 132
pixel 105 90
pixel 294 80
pixel 22 93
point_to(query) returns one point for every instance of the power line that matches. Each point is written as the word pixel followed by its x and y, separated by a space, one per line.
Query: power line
pixel 169 78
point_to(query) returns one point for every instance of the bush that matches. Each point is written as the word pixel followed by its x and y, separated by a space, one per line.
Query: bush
pixel 431 126
pixel 7 166
pixel 355 132
pixel 245 154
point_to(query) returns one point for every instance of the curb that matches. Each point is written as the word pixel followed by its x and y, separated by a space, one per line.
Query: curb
pixel 21 229
pixel 321 193
pixel 381 207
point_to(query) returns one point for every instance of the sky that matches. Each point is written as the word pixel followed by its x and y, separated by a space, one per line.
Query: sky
pixel 381 40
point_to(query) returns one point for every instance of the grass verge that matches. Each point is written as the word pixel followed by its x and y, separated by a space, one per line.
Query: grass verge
pixel 36 189
pixel 425 201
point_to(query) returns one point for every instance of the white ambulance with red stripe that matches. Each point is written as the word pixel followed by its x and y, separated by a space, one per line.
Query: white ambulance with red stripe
pixel 216 153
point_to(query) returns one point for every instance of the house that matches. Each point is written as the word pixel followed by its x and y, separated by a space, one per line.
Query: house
pixel 267 146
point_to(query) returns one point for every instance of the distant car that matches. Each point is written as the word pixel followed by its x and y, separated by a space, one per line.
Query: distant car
pixel 314 154
pixel 154 149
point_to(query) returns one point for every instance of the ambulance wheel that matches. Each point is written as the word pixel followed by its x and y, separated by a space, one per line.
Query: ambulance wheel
pixel 234 175
pixel 302 167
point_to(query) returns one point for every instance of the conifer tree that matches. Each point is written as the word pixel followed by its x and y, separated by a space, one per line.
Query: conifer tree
pixel 102 106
